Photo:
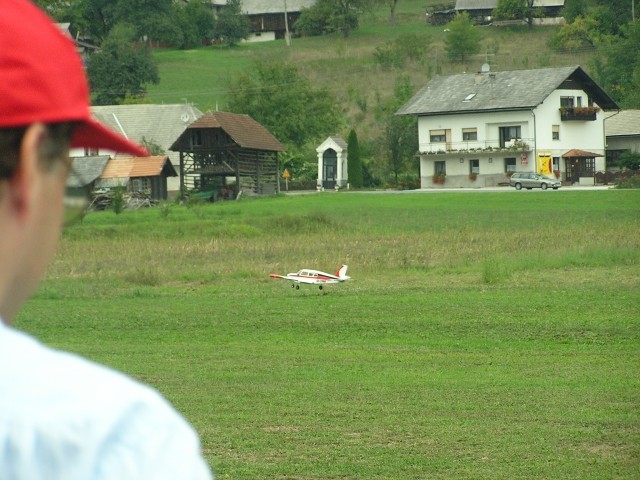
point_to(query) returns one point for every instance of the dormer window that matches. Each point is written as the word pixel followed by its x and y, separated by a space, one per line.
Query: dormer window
pixel 469 97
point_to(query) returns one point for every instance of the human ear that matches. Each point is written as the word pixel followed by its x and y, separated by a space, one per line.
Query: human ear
pixel 23 184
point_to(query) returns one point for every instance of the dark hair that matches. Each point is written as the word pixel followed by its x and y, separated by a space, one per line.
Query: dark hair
pixel 53 147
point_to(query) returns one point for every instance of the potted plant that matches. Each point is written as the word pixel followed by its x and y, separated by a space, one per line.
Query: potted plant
pixel 557 173
pixel 473 176
pixel 439 178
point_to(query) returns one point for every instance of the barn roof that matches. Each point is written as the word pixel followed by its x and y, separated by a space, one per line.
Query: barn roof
pixel 244 130
pixel 501 91
pixel 133 167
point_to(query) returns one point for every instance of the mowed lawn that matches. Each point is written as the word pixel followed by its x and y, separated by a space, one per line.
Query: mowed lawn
pixel 484 335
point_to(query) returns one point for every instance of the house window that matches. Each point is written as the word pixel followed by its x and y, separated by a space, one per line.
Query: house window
pixel 469 134
pixel 509 165
pixel 555 132
pixel 566 101
pixel 474 166
pixel 196 138
pixel 440 167
pixel 579 101
pixel 509 133
pixel 140 184
pixel 556 164
pixel 437 136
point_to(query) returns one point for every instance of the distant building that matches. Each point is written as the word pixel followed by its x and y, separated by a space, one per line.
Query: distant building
pixel 267 17
pixel 159 125
pixel 475 130
pixel 223 154
pixel 481 11
pixel 332 163
pixel 622 130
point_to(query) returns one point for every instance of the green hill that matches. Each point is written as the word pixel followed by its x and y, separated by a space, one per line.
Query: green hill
pixel 347 67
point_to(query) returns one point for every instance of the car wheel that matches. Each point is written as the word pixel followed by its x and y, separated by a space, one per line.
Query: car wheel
pixel 518 186
pixel 544 186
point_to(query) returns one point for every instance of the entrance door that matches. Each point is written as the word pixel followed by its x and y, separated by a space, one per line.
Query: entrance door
pixel 330 168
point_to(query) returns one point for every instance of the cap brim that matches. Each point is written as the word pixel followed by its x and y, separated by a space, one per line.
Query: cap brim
pixel 92 134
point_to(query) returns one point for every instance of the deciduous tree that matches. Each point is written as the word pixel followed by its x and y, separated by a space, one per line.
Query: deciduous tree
pixel 333 16
pixel 354 163
pixel 121 69
pixel 280 98
pixel 232 25
pixel 516 10
pixel 462 39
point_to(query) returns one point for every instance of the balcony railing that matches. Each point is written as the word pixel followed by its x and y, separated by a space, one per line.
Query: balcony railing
pixel 487 146
pixel 584 114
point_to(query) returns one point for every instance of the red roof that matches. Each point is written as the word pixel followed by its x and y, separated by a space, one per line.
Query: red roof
pixel 575 153
pixel 127 167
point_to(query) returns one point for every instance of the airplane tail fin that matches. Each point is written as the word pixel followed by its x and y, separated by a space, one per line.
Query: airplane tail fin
pixel 342 273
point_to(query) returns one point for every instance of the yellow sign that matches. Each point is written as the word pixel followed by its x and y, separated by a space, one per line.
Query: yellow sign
pixel 286 175
pixel 545 164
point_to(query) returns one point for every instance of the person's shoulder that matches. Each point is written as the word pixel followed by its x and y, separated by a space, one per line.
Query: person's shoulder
pixel 41 372
pixel 84 414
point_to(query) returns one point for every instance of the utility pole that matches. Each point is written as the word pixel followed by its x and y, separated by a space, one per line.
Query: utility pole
pixel 287 35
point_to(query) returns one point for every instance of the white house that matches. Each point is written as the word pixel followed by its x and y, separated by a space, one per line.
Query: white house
pixel 474 130
pixel 332 163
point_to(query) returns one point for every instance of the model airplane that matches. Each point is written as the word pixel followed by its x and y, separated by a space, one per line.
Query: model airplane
pixel 314 277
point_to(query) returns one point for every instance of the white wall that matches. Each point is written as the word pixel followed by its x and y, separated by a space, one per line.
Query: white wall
pixel 583 135
pixel 487 125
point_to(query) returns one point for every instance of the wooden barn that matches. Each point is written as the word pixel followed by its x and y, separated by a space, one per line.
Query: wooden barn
pixel 224 153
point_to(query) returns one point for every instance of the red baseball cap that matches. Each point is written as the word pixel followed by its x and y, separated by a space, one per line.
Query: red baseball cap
pixel 42 79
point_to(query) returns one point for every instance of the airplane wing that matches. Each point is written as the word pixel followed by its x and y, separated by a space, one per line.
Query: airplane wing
pixel 298 279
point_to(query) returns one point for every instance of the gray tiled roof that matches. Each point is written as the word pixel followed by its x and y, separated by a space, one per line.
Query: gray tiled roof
pixel 499 91
pixel 86 170
pixel 160 124
pixel 340 141
pixel 623 124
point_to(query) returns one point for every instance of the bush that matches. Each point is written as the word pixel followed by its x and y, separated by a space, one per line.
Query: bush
pixel 628 181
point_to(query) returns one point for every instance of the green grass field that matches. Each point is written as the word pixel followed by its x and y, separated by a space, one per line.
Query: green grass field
pixel 484 335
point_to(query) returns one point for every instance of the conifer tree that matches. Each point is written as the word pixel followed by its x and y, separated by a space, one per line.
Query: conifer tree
pixel 354 164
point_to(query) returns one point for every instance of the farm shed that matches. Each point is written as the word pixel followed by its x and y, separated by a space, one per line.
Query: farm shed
pixel 222 145
pixel 139 174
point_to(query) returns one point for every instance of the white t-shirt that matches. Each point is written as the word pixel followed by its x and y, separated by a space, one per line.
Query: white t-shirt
pixel 63 417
